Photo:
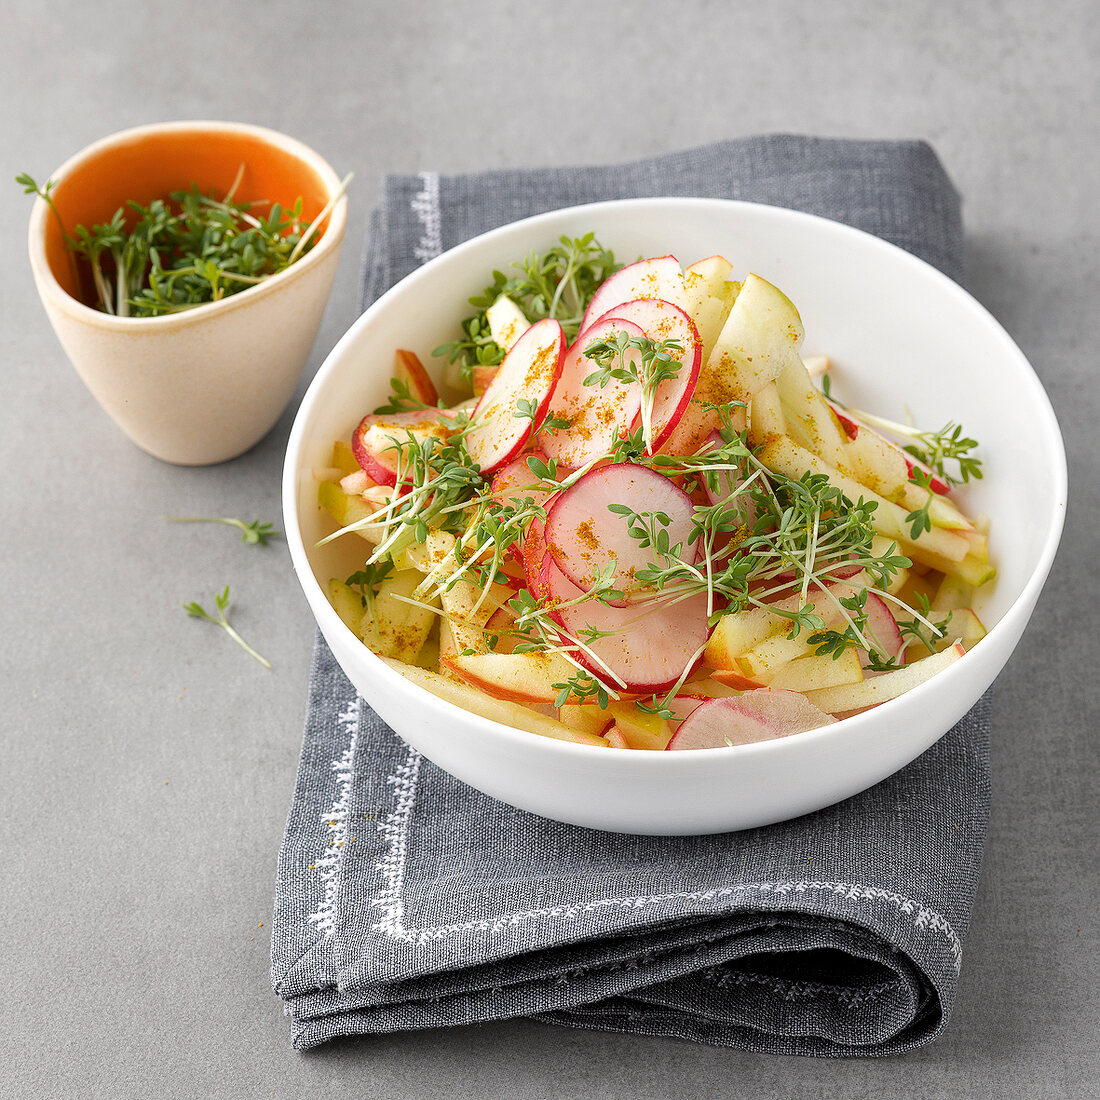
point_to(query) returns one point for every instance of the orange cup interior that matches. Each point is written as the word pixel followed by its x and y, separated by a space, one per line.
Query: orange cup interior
pixel 150 166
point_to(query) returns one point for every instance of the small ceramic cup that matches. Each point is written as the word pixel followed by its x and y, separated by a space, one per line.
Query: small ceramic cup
pixel 203 385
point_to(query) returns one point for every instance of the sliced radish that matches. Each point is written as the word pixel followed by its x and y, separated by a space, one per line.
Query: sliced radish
pixel 661 320
pixel 883 627
pixel 376 441
pixel 648 647
pixel 596 415
pixel 530 372
pixel 659 277
pixel 584 536
pixel 683 706
pixel 695 427
pixel 513 483
pixel 533 556
pixel 761 715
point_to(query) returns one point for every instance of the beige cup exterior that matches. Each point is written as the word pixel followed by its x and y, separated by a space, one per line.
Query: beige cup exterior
pixel 201 386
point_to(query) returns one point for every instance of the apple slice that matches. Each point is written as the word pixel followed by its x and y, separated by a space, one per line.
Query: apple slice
pixel 585 536
pixel 883 456
pixel 378 440
pixel 467 615
pixel 661 320
pixel 761 715
pixel 487 706
pixel 781 454
pixel 761 335
pixel 343 458
pixel 586 717
pixel 615 738
pixel 878 689
pixel 481 376
pixel 710 294
pixel 659 277
pixel 408 368
pixel 809 413
pixel 638 728
pixel 963 626
pixel 520 677
pixel 529 373
pixel 347 509
pixel 397 629
pixel 819 671
pixel 595 416
pixel 507 322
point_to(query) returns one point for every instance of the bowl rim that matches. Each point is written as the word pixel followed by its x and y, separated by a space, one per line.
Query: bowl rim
pixel 80 311
pixel 1020 606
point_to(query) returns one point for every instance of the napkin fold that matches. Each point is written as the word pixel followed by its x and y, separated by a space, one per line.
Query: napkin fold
pixel 407 900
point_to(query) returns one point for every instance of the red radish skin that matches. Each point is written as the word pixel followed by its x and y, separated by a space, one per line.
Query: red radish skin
pixel 649 647
pixel 760 715
pixel 534 553
pixel 596 415
pixel 584 536
pixel 658 277
pixel 511 485
pixel 372 443
pixel 530 372
pixel 661 320
pixel 883 627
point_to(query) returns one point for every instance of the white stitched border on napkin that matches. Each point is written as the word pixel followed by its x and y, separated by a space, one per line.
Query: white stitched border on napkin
pixel 327 865
pixel 394 835
pixel 425 205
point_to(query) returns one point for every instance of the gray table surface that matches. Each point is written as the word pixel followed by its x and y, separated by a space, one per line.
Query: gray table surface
pixel 147 765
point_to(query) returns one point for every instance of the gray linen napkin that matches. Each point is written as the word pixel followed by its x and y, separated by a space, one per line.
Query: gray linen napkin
pixel 407 900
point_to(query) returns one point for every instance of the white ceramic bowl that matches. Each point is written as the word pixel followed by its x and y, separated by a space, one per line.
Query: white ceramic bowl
pixel 903 337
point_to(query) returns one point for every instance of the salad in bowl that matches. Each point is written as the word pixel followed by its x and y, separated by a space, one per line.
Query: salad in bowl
pixel 656 531
pixel 613 501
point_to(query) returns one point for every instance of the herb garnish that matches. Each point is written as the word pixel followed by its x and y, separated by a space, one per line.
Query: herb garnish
pixel 222 601
pixel 186 251
pixel 559 283
pixel 638 359
pixel 933 449
pixel 256 533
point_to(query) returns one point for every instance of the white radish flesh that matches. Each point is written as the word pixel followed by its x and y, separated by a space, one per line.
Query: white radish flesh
pixel 761 715
pixel 595 415
pixel 530 372
pixel 584 536
pixel 648 647
pixel 514 482
pixel 697 424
